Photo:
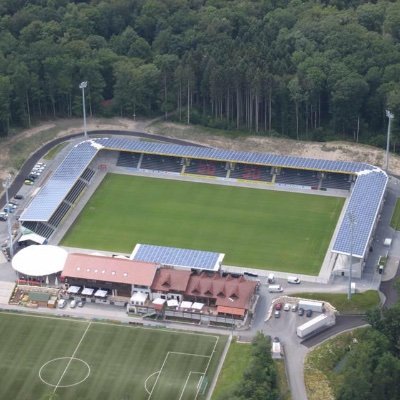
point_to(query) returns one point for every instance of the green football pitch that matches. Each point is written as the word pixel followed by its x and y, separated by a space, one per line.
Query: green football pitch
pixel 253 227
pixel 52 358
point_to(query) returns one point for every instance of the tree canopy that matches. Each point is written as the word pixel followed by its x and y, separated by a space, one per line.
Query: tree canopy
pixel 303 69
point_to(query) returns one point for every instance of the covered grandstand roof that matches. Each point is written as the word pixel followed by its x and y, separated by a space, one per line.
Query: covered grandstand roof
pixel 363 206
pixel 368 191
pixel 180 258
pixel 45 203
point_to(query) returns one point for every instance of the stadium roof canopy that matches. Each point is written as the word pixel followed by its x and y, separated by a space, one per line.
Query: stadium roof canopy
pixel 362 210
pixel 365 199
pixel 46 202
pixel 179 258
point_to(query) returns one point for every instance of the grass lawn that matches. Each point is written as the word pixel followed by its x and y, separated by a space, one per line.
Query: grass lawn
pixel 87 360
pixel 283 383
pixel 235 363
pixel 54 151
pixel 359 303
pixel 255 228
pixel 395 221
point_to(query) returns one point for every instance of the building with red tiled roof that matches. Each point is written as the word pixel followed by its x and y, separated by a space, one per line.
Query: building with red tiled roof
pixel 170 283
pixel 233 296
pixel 122 277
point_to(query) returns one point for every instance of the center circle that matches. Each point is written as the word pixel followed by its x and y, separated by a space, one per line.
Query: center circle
pixel 70 362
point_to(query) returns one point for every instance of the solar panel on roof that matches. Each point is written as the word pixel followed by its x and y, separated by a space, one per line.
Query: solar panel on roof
pixel 57 187
pixel 364 201
pixel 184 258
pixel 364 204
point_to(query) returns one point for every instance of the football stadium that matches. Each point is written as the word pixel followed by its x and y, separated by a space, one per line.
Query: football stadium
pixel 262 211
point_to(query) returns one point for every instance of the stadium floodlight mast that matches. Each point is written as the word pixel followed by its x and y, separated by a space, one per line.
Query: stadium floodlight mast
pixel 82 86
pixel 6 186
pixel 390 117
pixel 352 221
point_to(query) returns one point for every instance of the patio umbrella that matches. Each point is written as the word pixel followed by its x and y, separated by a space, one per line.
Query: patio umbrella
pixel 47 280
pixel 56 281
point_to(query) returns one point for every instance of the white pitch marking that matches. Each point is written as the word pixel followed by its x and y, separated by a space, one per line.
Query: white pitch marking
pixel 72 357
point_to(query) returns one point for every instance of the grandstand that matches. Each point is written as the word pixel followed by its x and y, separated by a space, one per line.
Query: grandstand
pixel 364 184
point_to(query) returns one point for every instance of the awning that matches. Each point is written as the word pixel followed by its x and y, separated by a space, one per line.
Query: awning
pixel 231 311
pixel 101 293
pixel 73 289
pixel 186 304
pixel 34 237
pixel 172 303
pixel 197 306
pixel 138 297
pixel 87 291
pixel 159 301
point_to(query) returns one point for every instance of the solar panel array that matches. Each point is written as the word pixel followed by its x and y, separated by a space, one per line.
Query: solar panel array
pixel 362 209
pixel 172 256
pixel 207 153
pixel 46 202
pixel 364 202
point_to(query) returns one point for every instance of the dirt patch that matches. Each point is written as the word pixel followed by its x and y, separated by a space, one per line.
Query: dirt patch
pixel 342 151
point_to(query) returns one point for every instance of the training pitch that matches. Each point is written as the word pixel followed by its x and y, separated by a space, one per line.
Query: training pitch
pixel 51 358
pixel 254 228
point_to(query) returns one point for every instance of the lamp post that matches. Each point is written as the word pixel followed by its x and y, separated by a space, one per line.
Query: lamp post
pixel 82 86
pixel 350 215
pixel 390 117
pixel 6 186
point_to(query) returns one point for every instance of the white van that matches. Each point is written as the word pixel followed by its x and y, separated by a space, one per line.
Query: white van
pixel 271 278
pixel 275 288
pixel 293 279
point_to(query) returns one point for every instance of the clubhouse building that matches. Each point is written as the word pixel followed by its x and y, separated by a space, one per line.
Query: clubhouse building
pixel 160 282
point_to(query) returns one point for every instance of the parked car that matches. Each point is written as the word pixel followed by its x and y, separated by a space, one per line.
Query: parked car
pixel 62 303
pixel 308 313
pixel 278 306
pixel 286 307
pixel 277 314
pixel 300 312
pixel 28 182
pixel 72 303
pixel 18 197
pixel 80 304
pixel 295 307
pixel 3 216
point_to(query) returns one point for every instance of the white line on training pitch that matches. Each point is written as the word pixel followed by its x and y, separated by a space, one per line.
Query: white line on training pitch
pixel 72 357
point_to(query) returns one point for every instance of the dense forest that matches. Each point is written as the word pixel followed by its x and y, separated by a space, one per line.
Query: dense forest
pixel 372 367
pixel 304 69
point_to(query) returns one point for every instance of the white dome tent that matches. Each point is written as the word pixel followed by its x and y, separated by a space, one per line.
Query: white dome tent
pixel 39 260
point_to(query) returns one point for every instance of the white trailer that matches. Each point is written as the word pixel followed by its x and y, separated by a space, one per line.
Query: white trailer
pixel 316 324
pixel 317 306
